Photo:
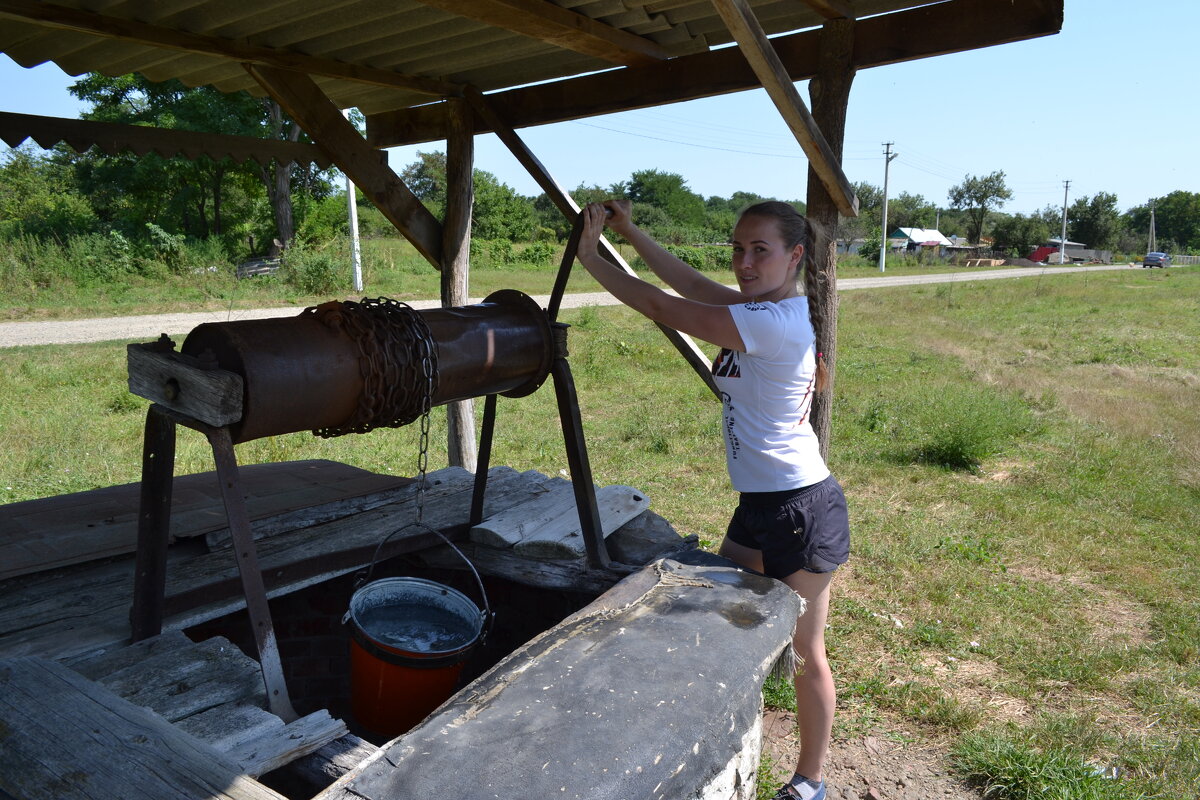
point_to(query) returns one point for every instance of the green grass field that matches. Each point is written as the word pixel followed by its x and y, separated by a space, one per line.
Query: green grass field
pixel 1022 462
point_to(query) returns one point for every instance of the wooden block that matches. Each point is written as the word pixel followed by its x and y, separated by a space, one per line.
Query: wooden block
pixel 230 725
pixel 562 536
pixel 543 501
pixel 178 382
pixel 278 746
pixel 67 738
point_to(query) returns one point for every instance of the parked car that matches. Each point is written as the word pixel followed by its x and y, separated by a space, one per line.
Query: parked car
pixel 1156 260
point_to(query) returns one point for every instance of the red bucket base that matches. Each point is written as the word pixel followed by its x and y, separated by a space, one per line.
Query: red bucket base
pixel 390 699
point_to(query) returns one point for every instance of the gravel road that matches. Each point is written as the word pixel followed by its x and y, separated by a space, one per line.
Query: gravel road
pixel 148 327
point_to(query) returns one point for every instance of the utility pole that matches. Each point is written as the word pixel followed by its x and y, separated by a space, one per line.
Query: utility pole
pixel 1153 237
pixel 1062 242
pixel 888 155
pixel 355 252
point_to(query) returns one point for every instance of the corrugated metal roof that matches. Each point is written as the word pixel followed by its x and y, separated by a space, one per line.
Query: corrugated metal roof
pixel 400 36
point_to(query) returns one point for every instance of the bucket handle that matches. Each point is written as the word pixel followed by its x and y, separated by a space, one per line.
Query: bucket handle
pixel 488 616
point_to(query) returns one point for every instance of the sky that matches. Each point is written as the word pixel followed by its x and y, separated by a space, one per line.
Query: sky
pixel 1110 104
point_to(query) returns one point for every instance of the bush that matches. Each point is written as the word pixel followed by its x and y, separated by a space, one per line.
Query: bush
pixel 315 270
pixel 705 259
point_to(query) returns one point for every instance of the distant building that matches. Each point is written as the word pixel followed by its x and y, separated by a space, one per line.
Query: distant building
pixel 920 239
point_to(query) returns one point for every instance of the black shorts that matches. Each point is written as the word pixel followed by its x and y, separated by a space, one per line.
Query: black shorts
pixel 797 529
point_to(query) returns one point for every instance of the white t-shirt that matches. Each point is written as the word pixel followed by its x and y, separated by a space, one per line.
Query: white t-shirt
pixel 767 394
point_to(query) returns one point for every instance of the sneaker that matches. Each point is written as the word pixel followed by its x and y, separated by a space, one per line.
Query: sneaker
pixel 804 790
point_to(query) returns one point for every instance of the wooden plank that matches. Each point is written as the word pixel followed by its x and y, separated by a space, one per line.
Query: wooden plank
pixel 547 500
pixel 562 537
pixel 230 725
pixel 177 683
pixel 114 138
pixel 832 9
pixel 307 104
pixel 66 738
pixel 558 26
pixel 278 746
pixel 64 615
pixel 62 18
pixel 953 26
pixel 181 383
pixel 67 529
pixel 773 75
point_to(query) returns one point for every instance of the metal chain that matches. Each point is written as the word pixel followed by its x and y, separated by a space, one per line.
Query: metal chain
pixel 397 363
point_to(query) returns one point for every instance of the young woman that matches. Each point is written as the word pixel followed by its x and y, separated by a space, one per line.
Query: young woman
pixel 791 520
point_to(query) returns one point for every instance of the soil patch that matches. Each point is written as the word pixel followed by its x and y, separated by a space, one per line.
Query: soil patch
pixel 869 768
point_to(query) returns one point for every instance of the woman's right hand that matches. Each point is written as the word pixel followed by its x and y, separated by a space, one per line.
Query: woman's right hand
pixel 619 214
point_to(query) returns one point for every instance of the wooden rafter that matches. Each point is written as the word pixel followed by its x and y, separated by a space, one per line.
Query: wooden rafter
pixel 886 39
pixel 558 26
pixel 323 122
pixel 113 138
pixel 128 30
pixel 832 9
pixel 765 62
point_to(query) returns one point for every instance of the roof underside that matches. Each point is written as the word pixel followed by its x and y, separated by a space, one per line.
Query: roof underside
pixel 486 44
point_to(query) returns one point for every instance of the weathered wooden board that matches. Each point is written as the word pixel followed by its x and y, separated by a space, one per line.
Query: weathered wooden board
pixel 181 383
pixel 562 536
pixel 43 534
pixel 63 615
pixel 67 738
pixel 272 749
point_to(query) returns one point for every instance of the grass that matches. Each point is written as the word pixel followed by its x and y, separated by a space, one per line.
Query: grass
pixel 1022 460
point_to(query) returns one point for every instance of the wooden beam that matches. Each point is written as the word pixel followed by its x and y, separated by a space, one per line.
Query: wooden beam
pixel 757 48
pixel 830 95
pixel 114 138
pixel 456 265
pixel 687 348
pixel 323 122
pixel 128 30
pixel 832 9
pixel 950 27
pixel 558 26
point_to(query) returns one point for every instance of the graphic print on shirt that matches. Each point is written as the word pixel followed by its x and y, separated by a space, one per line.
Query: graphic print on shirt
pixel 735 446
pixel 726 364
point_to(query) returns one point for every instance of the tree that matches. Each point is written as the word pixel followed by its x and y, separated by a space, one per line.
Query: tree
pixel 1176 220
pixel 977 196
pixel 668 192
pixel 910 211
pixel 499 213
pixel 870 215
pixel 1095 221
pixel 38 197
pixel 1020 235
pixel 183 194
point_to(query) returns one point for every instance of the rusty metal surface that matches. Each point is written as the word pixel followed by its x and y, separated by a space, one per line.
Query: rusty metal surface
pixel 309 372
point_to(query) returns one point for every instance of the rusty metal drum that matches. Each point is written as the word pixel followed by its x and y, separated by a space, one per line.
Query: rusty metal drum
pixel 346 367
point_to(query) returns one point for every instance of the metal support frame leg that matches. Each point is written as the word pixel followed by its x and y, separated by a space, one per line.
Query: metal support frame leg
pixel 154 522
pixel 577 456
pixel 252 583
pixel 483 460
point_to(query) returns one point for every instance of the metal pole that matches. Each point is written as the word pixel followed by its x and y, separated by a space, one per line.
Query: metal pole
pixel 888 156
pixel 1062 242
pixel 355 253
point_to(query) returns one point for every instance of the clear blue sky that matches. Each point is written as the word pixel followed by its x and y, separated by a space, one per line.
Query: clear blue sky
pixel 1109 104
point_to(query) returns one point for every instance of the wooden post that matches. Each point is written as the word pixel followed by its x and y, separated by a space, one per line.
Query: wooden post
pixel 456 262
pixel 830 95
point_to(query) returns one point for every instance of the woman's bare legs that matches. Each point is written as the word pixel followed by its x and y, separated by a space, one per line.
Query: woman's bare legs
pixel 815 692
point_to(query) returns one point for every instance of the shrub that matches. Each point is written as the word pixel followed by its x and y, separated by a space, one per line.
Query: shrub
pixel 314 270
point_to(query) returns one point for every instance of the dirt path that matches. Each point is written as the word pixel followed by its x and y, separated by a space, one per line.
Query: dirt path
pixel 869 768
pixel 148 327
